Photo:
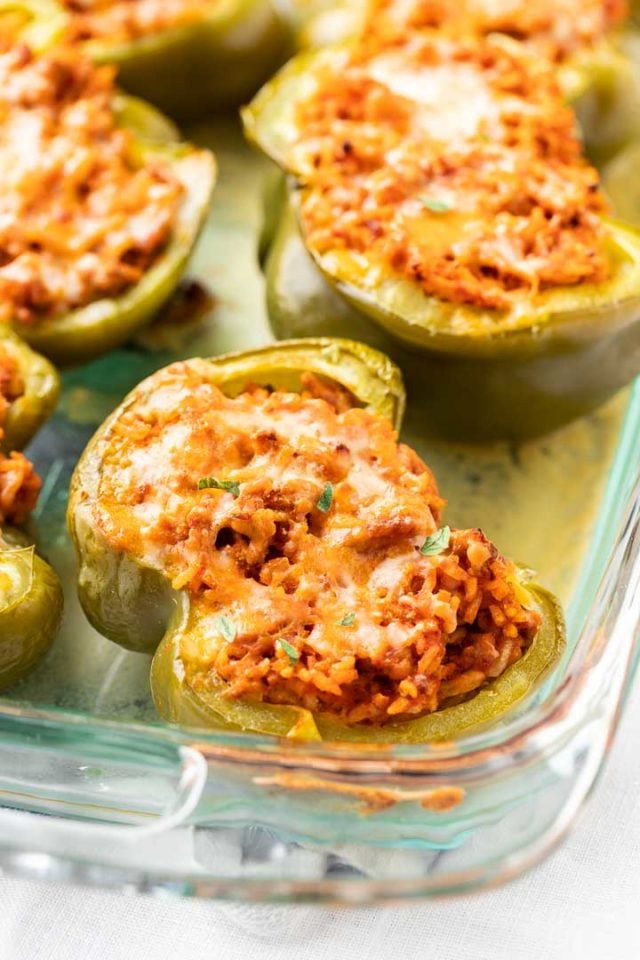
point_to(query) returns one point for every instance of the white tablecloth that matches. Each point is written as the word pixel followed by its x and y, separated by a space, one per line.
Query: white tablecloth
pixel 583 903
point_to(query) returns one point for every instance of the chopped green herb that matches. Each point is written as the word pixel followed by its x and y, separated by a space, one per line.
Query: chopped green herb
pixel 436 543
pixel 210 483
pixel 326 498
pixel 436 206
pixel 290 651
pixel 226 628
pixel 348 620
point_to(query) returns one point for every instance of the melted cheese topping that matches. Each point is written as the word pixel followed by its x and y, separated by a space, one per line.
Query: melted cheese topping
pixel 302 552
pixel 452 162
pixel 81 217
pixel 123 20
pixel 551 28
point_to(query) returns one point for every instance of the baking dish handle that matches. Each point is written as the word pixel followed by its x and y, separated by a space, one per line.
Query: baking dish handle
pixel 142 782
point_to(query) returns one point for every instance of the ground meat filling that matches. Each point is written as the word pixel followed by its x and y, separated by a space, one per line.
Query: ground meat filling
pixel 453 163
pixel 555 29
pixel 82 217
pixel 123 20
pixel 296 522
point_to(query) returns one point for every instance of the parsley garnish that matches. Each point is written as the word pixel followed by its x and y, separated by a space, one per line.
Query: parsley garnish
pixel 436 543
pixel 226 628
pixel 290 651
pixel 210 483
pixel 348 620
pixel 436 206
pixel 326 498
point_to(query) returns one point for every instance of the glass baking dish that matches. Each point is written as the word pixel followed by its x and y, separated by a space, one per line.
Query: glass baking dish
pixel 95 789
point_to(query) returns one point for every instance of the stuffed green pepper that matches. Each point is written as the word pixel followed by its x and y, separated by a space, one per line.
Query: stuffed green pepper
pixel 100 208
pixel 585 40
pixel 31 599
pixel 559 30
pixel 29 388
pixel 439 186
pixel 188 57
pixel 255 518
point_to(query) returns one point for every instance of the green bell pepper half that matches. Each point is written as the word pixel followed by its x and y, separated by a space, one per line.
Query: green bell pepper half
pixel 485 374
pixel 34 406
pixel 88 332
pixel 179 701
pixel 187 70
pixel 31 604
pixel 135 606
pixel 132 604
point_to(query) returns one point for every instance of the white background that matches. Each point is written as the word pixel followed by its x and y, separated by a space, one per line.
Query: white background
pixel 583 903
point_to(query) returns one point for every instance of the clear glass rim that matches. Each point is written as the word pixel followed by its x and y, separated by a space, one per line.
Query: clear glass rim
pixel 327 891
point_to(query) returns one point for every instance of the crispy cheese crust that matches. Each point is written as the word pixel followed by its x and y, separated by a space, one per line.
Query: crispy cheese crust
pixel 296 522
pixel 452 162
pixel 123 20
pixel 82 217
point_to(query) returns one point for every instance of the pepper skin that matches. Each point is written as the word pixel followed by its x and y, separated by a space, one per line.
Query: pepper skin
pixel 31 604
pixel 620 183
pixel 88 332
pixel 192 70
pixel 604 90
pixel 188 70
pixel 274 195
pixel 136 607
pixel 571 351
pixel 41 386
